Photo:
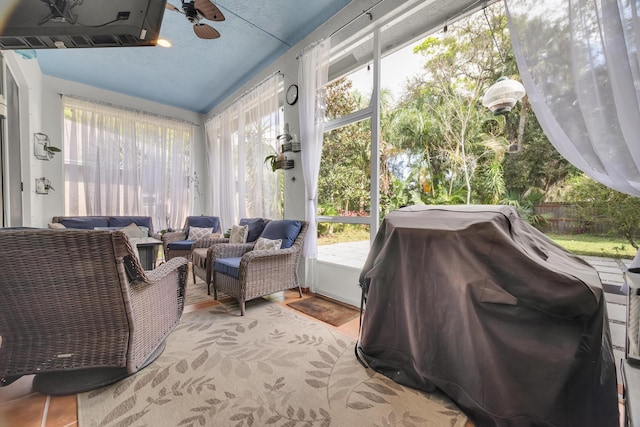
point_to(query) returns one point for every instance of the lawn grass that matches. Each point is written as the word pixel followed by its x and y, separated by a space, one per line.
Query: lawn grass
pixel 343 233
pixel 579 244
pixel 591 245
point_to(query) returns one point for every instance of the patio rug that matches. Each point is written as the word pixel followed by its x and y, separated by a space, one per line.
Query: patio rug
pixel 326 310
pixel 196 292
pixel 270 367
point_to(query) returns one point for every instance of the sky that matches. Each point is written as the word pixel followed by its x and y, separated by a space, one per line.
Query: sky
pixel 396 69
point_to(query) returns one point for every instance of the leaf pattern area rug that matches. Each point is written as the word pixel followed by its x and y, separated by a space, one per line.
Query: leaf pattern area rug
pixel 268 368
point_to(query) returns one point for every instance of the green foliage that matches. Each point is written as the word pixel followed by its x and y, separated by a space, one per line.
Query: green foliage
pixel 344 181
pixel 537 165
pixel 451 143
pixel 595 202
pixel 439 145
pixel 525 205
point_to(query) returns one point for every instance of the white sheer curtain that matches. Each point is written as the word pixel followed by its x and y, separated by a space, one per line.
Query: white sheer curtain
pixel 123 162
pixel 238 139
pixel 313 71
pixel 579 64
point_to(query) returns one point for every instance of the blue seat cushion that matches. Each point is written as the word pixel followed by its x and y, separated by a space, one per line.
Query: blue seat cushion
pixel 256 226
pixel 180 245
pixel 284 229
pixel 228 266
pixel 84 222
pixel 203 222
pixel 123 221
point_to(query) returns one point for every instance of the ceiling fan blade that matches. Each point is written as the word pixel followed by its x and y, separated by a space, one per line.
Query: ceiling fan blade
pixel 172 7
pixel 209 10
pixel 205 31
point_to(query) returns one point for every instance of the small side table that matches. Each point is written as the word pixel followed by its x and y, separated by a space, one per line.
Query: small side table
pixel 146 251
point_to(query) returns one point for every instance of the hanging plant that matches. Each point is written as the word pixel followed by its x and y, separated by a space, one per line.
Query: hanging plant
pixel 274 161
pixel 51 150
pixel 43 149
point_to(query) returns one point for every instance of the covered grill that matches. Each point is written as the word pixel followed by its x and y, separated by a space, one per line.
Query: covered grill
pixel 476 302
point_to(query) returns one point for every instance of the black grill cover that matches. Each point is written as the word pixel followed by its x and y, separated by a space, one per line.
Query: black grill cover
pixel 478 303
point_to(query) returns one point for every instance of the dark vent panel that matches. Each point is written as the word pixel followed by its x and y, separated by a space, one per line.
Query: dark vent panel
pixel 106 23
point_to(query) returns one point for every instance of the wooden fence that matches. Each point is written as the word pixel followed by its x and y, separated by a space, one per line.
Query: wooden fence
pixel 562 218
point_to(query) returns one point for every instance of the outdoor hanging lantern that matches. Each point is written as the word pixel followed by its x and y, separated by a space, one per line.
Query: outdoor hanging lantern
pixel 503 95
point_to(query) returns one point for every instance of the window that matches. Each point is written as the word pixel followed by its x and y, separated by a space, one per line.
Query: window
pixel 123 162
pixel 238 141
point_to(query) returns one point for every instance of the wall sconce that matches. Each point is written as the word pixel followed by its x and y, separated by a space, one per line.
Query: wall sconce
pixel 42 148
pixel 503 95
pixel 43 186
pixel 287 141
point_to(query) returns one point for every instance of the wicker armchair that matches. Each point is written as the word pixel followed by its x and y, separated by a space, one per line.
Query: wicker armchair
pixel 260 272
pixel 201 246
pixel 178 244
pixel 79 311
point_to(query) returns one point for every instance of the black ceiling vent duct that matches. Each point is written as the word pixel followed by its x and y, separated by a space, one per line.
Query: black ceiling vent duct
pixel 50 24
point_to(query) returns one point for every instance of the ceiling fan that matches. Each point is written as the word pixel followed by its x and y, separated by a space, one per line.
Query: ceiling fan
pixel 197 10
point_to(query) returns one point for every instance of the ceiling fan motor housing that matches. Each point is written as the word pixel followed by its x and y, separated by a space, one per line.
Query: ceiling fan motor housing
pixel 191 12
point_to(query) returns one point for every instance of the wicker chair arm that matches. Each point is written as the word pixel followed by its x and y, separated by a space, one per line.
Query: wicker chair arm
pixel 162 291
pixel 205 242
pixel 173 236
pixel 252 255
pixel 274 259
pixel 163 270
pixel 228 250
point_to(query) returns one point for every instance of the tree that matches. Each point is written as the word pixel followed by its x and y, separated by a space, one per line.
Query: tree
pixel 448 142
pixel 595 202
pixel 447 139
pixel 344 181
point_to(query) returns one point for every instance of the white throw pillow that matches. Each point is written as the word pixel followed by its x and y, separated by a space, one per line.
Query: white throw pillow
pixel 263 244
pixel 196 233
pixel 132 231
pixel 239 234
pixel 56 225
pixel 144 231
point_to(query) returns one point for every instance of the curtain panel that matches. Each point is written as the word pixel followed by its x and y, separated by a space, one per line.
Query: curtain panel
pixel 123 162
pixel 578 61
pixel 238 140
pixel 313 74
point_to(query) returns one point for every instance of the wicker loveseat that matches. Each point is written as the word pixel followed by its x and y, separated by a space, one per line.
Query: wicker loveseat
pixel 79 311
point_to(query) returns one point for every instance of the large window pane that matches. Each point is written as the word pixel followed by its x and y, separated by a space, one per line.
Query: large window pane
pixel 344 183
pixel 351 79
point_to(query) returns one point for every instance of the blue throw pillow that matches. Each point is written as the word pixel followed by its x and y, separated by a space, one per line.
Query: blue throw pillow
pixel 256 226
pixel 84 222
pixel 285 229
pixel 202 222
pixel 180 245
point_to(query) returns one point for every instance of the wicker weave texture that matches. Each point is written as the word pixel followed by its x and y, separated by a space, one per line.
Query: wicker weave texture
pixel 68 302
pixel 176 236
pixel 261 272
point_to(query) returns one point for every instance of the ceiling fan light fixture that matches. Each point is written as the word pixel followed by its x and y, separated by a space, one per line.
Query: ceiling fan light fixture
pixel 197 10
pixel 164 43
pixel 501 97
